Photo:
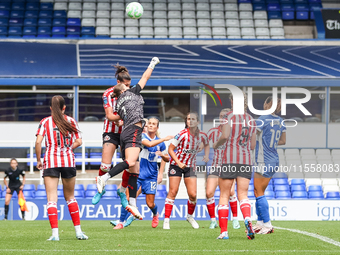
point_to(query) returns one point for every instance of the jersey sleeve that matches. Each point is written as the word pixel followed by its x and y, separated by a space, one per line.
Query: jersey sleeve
pixel 107 99
pixel 136 89
pixel 283 127
pixel 204 138
pixel 163 148
pixel 77 134
pixel 175 141
pixel 144 137
pixel 22 172
pixel 41 129
pixel 260 124
pixel 6 174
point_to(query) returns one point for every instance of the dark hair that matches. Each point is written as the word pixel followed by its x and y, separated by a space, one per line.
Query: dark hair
pixel 269 100
pixel 197 132
pixel 14 160
pixel 57 105
pixel 122 73
pixel 117 91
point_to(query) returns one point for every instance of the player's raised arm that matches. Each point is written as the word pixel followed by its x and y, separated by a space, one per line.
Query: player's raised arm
pixel 147 74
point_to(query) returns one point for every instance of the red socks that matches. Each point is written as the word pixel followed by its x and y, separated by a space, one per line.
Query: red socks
pixel 74 211
pixel 169 203
pixel 223 213
pixel 245 208
pixel 125 178
pixel 191 207
pixel 233 205
pixel 211 207
pixel 52 214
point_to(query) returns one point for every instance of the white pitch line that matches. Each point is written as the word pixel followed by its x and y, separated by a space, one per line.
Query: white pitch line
pixel 322 56
pixel 320 237
pixel 185 50
pixel 221 54
pixel 140 52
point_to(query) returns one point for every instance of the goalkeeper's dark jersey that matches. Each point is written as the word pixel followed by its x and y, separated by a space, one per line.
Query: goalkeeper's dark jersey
pixel 14 177
pixel 130 106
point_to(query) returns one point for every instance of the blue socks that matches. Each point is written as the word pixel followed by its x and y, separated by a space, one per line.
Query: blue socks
pixel 259 217
pixel 262 209
pixel 123 215
pixel 154 210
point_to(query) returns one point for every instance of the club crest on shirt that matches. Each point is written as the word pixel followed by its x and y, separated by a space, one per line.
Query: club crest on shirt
pixel 106 138
pixel 172 171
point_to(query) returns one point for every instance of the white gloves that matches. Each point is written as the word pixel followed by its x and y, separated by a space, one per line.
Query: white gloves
pixel 154 61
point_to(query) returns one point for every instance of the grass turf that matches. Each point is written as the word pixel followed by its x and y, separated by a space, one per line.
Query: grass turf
pixel 29 237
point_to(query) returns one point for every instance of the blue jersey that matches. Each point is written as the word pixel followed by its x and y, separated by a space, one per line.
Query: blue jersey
pixel 148 159
pixel 270 128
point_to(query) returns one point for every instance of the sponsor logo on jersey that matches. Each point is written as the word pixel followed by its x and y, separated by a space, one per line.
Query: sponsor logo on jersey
pixel 106 138
pixel 190 151
pixel 177 136
pixel 105 100
pixel 172 171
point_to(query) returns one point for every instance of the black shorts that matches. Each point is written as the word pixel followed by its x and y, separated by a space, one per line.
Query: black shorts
pixel 130 137
pixel 232 171
pixel 65 172
pixel 12 189
pixel 213 172
pixel 113 138
pixel 177 171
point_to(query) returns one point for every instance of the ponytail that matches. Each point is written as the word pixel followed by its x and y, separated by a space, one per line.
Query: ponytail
pixel 122 73
pixel 269 100
pixel 197 132
pixel 57 105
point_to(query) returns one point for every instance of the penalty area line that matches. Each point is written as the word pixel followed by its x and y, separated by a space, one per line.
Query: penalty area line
pixel 320 237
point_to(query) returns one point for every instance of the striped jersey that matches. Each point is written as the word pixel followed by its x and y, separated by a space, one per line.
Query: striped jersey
pixel 58 147
pixel 242 127
pixel 110 101
pixel 148 159
pixel 270 128
pixel 188 146
pixel 213 136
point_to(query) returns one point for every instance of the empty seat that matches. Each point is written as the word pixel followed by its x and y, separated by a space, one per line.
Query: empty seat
pixel 28 187
pixel 299 195
pixel 88 22
pixel 118 14
pixel 218 32
pixel 247 23
pixel 188 6
pixel 110 194
pixel 40 194
pixel 231 7
pixel 118 7
pixel 88 14
pixel 145 22
pixel 174 15
pixel 203 23
pixel 103 14
pixel 32 7
pixel 216 7
pixel 231 15
pixel 260 15
pixel 7 6
pixel 189 14
pixel 333 195
pixel 160 15
pixel 315 195
pixel 117 32
pixel 74 6
pixel 190 32
pixel 161 32
pixel 202 7
pixel 232 23
pixel 58 31
pixel 103 23
pixel 73 22
pixel 146 32
pixel 204 32
pixel 275 31
pixel 90 193
pixel 74 14
pixel 28 22
pixel 175 22
pixel 102 30
pixel 59 14
pixel 45 22
pixel 174 6
pixel 215 15
pixel 322 152
pixel 131 22
pixel 29 194
pixel 283 195
pixel 160 22
pixel 189 23
pixel 247 31
pixel 17 14
pixel 175 32
pixel 260 23
pixel 4 14
pixel 233 31
pixel 159 7
pixel 14 31
pixel 218 23
pixel 246 15
pixel 79 187
pixel 60 6
pixel 91 6
pixel 103 6
pixel 275 23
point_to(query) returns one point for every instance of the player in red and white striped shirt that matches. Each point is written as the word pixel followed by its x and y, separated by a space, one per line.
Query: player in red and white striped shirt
pixel 240 138
pixel 112 129
pixel 212 180
pixel 62 136
pixel 183 162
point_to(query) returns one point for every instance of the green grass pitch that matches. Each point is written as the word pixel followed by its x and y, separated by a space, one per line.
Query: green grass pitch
pixel 29 237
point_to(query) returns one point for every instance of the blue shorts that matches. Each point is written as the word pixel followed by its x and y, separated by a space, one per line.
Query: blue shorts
pixel 149 186
pixel 267 170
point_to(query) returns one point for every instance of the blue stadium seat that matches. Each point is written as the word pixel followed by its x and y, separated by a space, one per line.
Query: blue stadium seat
pixel 15 32
pixel 73 22
pixel 58 31
pixel 259 1
pixel 60 187
pixel 3 22
pixel 299 195
pixel 46 6
pixel 251 181
pixel 274 15
pixel 251 194
pixel 28 194
pixel 288 11
pixel 280 181
pixel 283 195
pixel 4 14
pixel 312 7
pixel 286 2
pixel 18 1
pixel 316 195
pixel 31 14
pixel 244 1
pixel 109 194
pixel 29 187
pixel 44 32
pixel 73 31
pixel 302 11
pixel 251 188
pixel 161 187
pixel 32 1
pixel 259 7
pixel 32 7
pixel 46 14
pixel 160 194
pixel 270 188
pixel 91 187
pixel 95 155
pixel 217 188
pixel 79 187
pixel 301 1
pixel 280 175
pixel 3 193
pixel 30 22
pixel 297 182
pixel 45 22
pixel 5 6
pixel 60 193
pixel 315 188
pixel 273 7
pixel 59 14
pixel 17 14
pixel 111 187
pixel 18 7
pixel 217 193
pixel 79 193
pixel 297 188
pixel 333 195
pixel 269 194
pixel 90 193
pixel 141 196
pixel 40 187
pixel 281 188
pixel 273 1
pixel 62 23
pixel 40 194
